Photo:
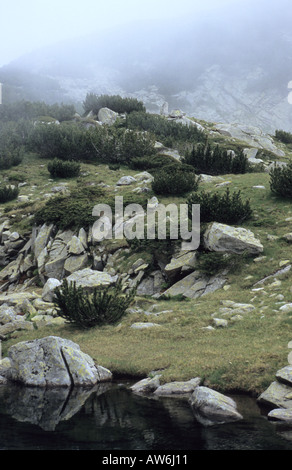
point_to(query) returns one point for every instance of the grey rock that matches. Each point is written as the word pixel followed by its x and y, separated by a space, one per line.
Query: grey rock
pixel 42 239
pixel 178 388
pixel 281 415
pixel 76 263
pixel 211 407
pixel 53 362
pixel 14 326
pixel 126 180
pixel 48 289
pixel 144 325
pixel 278 395
pixel 196 285
pixel 90 279
pixel 228 239
pixel 107 116
pixel 75 246
pixel 284 375
pixel 148 385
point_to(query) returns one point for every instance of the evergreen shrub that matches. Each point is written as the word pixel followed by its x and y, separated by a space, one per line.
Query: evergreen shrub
pixel 8 193
pixel 86 310
pixel 175 179
pixel 224 208
pixel 281 180
pixel 63 169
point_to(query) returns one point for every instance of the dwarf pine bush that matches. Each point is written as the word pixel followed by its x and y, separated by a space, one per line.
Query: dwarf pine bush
pixel 224 208
pixel 86 310
pixel 63 169
pixel 281 180
pixel 8 193
pixel 175 179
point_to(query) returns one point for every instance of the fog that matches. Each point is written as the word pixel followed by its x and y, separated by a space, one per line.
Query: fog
pixel 32 24
pixel 220 59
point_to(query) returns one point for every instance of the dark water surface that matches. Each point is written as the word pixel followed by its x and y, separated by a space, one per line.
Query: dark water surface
pixel 111 417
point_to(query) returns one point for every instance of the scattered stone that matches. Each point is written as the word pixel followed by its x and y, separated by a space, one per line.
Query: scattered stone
pixel 126 180
pixel 220 323
pixel 142 326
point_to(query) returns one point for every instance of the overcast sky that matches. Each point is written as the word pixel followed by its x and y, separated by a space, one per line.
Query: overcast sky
pixel 27 25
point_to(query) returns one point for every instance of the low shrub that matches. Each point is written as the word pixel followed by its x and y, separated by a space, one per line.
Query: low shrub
pixel 151 162
pixel 215 160
pixel 281 180
pixel 175 179
pixel 8 193
pixel 75 210
pixel 86 310
pixel 63 169
pixel 283 136
pixel 223 208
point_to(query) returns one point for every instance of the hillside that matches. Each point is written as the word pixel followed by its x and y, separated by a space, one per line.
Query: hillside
pixel 222 316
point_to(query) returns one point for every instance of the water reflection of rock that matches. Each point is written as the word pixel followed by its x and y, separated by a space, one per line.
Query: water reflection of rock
pixel 45 408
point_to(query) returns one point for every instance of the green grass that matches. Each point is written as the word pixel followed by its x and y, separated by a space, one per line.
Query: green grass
pixel 243 357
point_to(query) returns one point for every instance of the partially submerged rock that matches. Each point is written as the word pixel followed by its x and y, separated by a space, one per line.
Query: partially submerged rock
pixel 211 407
pixel 53 362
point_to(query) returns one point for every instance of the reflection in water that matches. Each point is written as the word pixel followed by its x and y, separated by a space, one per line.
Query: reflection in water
pixel 111 417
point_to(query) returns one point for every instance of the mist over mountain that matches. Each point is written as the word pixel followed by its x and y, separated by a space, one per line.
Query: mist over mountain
pixel 230 64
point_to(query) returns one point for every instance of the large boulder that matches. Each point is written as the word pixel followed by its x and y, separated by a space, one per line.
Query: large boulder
pixel 211 407
pixel 53 362
pixel 107 116
pixel 228 239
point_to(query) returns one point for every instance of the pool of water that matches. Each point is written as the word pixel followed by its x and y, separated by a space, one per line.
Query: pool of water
pixel 111 417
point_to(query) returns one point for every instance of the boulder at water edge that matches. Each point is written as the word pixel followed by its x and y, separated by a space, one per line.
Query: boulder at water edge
pixel 53 362
pixel 211 407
